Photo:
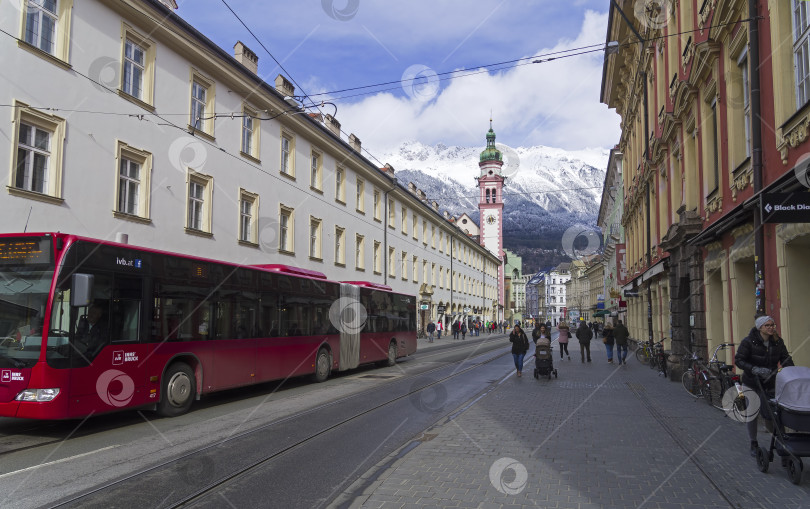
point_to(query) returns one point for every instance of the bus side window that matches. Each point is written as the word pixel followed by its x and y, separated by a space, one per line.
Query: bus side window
pixel 125 312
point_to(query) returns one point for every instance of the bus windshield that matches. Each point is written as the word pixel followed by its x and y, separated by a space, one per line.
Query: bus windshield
pixel 23 296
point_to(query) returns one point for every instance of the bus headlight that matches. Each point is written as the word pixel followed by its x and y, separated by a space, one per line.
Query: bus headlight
pixel 38 395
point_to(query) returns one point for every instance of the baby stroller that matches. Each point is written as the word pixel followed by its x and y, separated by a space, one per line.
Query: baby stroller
pixel 543 365
pixel 789 416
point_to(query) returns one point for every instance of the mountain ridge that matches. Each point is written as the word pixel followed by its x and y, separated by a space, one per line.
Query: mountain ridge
pixel 546 191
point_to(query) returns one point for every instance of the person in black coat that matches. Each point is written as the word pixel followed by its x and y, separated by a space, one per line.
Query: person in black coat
pixel 760 354
pixel 520 345
pixel 584 335
pixel 609 341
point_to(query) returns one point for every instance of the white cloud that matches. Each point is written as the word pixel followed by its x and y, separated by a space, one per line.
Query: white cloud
pixel 553 104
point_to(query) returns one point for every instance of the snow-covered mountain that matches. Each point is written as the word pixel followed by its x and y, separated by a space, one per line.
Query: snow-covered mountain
pixel 547 189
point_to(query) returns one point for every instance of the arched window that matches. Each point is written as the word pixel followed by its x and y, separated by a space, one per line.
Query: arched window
pixel 494 191
pixel 487 195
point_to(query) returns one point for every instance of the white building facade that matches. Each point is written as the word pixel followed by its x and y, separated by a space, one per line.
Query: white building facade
pixel 123 119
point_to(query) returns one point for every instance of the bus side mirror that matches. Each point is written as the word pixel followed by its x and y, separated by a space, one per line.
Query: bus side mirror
pixel 81 290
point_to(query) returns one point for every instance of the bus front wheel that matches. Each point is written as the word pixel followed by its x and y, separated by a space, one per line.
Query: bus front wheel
pixel 178 392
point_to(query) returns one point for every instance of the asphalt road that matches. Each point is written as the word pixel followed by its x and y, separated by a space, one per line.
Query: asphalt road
pixel 297 446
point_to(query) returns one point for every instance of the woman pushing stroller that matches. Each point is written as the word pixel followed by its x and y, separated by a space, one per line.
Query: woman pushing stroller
pixel 759 354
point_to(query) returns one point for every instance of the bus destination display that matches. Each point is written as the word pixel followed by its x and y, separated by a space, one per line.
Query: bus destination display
pixel 25 251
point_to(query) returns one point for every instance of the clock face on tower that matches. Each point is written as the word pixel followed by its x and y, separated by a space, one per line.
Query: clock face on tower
pixel 491 219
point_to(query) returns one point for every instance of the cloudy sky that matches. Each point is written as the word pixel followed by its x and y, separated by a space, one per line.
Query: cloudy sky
pixel 432 62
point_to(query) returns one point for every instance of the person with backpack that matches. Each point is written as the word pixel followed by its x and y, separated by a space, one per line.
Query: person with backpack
pixel 439 329
pixel 431 328
pixel 584 335
pixel 463 330
pixel 520 345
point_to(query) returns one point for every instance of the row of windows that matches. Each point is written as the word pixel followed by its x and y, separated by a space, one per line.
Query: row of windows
pixel 132 200
pixel 38 166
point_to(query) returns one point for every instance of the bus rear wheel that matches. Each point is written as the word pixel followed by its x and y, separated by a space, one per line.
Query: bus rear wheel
pixel 392 354
pixel 179 388
pixel 323 366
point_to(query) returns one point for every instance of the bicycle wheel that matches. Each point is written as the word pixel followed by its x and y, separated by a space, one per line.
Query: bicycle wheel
pixel 716 390
pixel 689 383
pixel 643 355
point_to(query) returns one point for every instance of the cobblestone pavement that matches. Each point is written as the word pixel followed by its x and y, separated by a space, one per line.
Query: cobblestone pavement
pixel 599 436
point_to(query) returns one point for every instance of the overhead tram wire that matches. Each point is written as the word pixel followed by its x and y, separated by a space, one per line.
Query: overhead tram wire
pixel 478 69
pixel 544 58
pixel 498 66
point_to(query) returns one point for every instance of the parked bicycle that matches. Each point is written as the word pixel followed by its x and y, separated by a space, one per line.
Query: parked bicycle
pixel 713 380
pixel 696 375
pixel 658 360
pixel 644 351
pixel 736 402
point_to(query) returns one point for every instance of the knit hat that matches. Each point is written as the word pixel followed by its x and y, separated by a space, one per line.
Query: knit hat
pixel 762 320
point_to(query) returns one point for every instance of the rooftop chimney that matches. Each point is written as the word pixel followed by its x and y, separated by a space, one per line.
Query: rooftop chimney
pixel 354 142
pixel 333 125
pixel 284 86
pixel 435 205
pixel 446 215
pixel 244 56
pixel 422 195
pixel 412 187
pixel 388 169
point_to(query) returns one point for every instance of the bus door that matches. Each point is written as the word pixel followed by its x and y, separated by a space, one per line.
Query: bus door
pixel 234 333
pixel 108 357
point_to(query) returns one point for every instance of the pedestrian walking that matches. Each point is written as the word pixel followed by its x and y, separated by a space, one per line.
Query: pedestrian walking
pixel 463 330
pixel 520 345
pixel 431 328
pixel 759 354
pixel 584 335
pixel 609 340
pixel 562 339
pixel 620 333
pixel 439 329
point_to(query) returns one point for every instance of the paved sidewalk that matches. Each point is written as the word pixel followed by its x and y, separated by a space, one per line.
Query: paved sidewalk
pixel 599 436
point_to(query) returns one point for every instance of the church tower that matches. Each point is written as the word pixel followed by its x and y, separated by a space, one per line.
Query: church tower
pixel 490 203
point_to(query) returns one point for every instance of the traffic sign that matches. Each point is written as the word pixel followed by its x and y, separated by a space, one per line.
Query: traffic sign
pixel 424 306
pixel 786 207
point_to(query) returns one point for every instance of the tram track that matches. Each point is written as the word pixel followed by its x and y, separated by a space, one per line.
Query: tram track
pixel 26 439
pixel 217 481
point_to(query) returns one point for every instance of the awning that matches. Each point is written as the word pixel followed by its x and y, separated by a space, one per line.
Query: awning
pixel 654 270
pixel 601 312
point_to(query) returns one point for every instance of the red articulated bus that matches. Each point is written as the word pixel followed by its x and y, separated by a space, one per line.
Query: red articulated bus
pixel 89 326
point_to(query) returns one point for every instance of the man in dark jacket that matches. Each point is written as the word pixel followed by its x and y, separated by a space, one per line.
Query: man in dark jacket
pixel 621 334
pixel 584 335
pixel 760 355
